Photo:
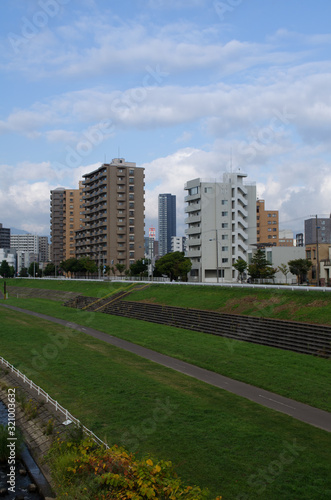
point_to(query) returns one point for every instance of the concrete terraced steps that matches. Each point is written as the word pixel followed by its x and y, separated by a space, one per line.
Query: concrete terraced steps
pixel 289 335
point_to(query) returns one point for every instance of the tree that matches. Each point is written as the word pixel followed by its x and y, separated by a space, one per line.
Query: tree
pixel 139 268
pixel 70 266
pixel 241 266
pixel 49 269
pixel 34 269
pixel 174 265
pixel 284 270
pixel 300 268
pixel 87 265
pixel 24 272
pixel 260 267
pixel 120 268
pixel 5 270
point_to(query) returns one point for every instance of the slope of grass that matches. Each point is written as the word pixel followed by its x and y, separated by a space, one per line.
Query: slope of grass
pixel 297 376
pixel 236 448
pixel 312 306
pixel 84 287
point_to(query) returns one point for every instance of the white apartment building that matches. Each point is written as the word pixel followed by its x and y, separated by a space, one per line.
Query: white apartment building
pixel 221 226
pixel 178 243
pixel 25 242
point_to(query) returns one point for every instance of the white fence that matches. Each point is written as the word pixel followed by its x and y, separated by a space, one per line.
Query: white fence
pixel 52 401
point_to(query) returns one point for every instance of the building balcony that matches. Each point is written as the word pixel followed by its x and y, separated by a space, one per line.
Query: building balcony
pixel 192 197
pixel 193 230
pixel 193 219
pixel 193 253
pixel 193 208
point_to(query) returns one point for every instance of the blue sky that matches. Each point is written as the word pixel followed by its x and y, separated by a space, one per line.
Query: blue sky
pixel 183 88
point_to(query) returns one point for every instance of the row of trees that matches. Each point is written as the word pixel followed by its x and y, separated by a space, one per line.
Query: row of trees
pixel 174 265
pixel 260 268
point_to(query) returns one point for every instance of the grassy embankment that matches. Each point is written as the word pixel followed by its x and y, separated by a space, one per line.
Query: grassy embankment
pixel 301 377
pixel 236 448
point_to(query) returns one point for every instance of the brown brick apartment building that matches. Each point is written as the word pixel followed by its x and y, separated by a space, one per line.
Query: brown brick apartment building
pixel 113 214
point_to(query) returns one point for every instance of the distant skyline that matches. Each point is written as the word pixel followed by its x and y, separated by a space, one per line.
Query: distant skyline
pixel 183 88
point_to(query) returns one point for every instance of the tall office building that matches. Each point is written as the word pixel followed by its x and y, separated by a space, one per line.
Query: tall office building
pixel 267 226
pixel 65 220
pixel 113 214
pixel 167 222
pixel 221 226
pixel 4 237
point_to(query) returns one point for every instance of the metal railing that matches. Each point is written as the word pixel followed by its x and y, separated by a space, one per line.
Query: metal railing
pixel 52 401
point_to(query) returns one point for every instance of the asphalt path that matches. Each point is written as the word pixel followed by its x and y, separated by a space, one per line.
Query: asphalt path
pixel 305 413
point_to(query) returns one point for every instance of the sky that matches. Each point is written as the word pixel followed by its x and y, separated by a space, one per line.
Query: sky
pixel 184 88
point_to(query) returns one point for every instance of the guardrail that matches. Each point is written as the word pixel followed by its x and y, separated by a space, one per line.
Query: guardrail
pixel 52 401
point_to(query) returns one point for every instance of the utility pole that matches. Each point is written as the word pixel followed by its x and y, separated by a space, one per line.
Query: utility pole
pixel 217 268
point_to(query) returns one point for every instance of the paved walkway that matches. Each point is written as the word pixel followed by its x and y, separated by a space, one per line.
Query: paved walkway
pixel 299 411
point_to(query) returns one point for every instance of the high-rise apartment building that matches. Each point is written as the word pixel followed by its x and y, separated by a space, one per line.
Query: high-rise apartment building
pixel 65 220
pixel 113 214
pixel 317 230
pixel 221 220
pixel 267 226
pixel 167 222
pixel 4 237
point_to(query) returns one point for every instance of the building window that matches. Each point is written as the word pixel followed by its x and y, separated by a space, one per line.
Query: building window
pixel 131 222
pixel 208 189
pixel 225 249
pixel 224 214
pixel 225 237
pixel 225 225
pixel 193 190
pixel 131 196
pixel 131 171
pixel 269 215
pixel 225 260
pixel 224 202
pixel 131 180
pixel 131 205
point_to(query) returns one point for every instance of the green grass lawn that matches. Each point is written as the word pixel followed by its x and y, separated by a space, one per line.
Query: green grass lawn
pixel 235 447
pixel 297 376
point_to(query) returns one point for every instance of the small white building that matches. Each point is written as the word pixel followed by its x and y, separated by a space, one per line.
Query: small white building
pixel 281 255
pixel 178 243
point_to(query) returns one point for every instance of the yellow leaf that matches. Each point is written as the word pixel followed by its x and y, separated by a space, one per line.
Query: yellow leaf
pixel 149 462
pixel 157 468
